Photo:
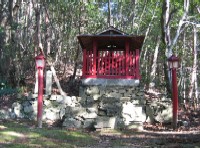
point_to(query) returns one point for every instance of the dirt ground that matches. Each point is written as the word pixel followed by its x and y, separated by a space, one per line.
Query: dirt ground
pixel 150 139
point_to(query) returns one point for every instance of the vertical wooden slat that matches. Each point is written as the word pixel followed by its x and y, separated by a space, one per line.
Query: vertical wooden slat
pixel 137 56
pixel 127 56
pixel 117 64
pixel 113 66
pixel 94 57
pixel 124 63
pixel 98 62
pixel 90 63
pixel 120 65
pixel 84 62
pixel 101 64
pixel 131 64
pixel 104 63
pixel 109 63
pixel 134 64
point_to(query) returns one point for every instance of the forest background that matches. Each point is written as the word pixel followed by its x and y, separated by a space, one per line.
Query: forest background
pixel 51 26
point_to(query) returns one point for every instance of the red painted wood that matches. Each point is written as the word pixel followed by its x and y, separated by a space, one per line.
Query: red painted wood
pixel 113 66
pixel 94 57
pixel 134 64
pixel 137 56
pixel 116 49
pixel 127 56
pixel 123 63
pixel 174 97
pixel 90 63
pixel 84 62
pixel 109 63
pixel 110 77
pixel 106 58
pixel 87 63
pixel 40 96
pixel 98 63
pixel 104 63
pixel 131 63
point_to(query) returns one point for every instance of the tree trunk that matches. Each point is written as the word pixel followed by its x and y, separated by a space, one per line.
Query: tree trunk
pixel 154 66
pixel 194 85
pixel 109 14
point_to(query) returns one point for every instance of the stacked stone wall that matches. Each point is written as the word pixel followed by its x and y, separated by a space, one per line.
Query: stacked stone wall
pixel 96 107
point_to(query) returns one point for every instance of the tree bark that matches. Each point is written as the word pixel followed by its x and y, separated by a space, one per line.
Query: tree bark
pixel 194 84
pixel 154 65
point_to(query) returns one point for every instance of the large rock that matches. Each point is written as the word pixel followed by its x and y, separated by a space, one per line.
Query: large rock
pixel 74 111
pixel 125 99
pixel 71 123
pixel 17 107
pixel 165 115
pixel 4 114
pixel 51 114
pixel 130 112
pixel 28 109
pixel 109 100
pixel 149 114
pixel 62 112
pixel 89 115
pixel 67 100
pixel 47 103
pixel 96 97
pixel 136 126
pixel 92 90
pixel 88 123
pixel 114 95
pixel 105 122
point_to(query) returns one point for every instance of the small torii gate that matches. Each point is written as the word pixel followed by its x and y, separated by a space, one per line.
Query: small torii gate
pixel 111 54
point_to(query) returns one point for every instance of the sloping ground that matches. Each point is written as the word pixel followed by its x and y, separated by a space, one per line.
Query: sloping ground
pixel 150 139
pixel 15 133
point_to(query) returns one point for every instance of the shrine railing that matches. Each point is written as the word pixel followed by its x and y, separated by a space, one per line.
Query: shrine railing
pixel 111 64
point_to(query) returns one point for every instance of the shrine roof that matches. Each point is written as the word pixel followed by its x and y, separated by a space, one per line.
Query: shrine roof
pixel 111 36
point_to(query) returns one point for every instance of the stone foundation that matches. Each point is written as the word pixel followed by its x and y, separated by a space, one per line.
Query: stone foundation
pixel 114 106
pixel 98 106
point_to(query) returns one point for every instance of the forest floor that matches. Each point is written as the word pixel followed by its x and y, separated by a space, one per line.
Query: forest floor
pixel 154 135
pixel 24 133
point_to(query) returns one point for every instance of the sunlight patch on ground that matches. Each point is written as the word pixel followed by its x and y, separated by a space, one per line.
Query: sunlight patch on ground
pixel 78 135
pixel 12 133
pixel 34 135
pixel 2 127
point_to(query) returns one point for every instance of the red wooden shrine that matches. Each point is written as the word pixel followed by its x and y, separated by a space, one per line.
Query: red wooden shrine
pixel 111 54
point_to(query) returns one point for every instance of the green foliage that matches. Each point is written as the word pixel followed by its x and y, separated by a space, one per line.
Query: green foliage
pixel 1 29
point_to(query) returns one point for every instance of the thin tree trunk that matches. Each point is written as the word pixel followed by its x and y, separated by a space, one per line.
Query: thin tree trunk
pixel 109 14
pixel 47 36
pixel 194 85
pixel 154 66
pixel 147 32
pixel 143 11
